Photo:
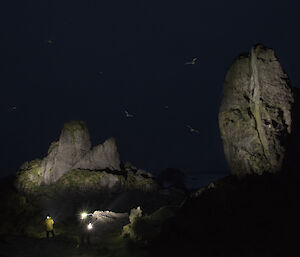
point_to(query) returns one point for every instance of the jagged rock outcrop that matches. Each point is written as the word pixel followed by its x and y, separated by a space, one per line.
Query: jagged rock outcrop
pixel 101 157
pixel 255 113
pixel 71 166
pixel 72 151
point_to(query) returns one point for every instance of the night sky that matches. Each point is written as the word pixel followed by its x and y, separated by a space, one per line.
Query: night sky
pixel 92 60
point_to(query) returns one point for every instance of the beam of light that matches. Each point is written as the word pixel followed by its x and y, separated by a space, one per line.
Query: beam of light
pixel 89 226
pixel 119 200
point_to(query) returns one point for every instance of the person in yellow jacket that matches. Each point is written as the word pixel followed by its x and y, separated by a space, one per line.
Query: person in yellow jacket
pixel 49 226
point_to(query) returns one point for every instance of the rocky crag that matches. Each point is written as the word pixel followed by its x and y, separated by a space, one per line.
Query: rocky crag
pixel 73 151
pixel 255 117
pixel 71 162
pixel 73 175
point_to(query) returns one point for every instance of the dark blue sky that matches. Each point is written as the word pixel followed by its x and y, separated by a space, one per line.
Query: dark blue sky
pixel 141 47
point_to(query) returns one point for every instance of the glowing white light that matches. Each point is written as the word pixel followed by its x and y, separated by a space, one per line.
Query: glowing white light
pixel 84 215
pixel 48 217
pixel 90 226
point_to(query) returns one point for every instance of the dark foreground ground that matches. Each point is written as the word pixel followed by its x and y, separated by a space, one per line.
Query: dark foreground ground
pixel 31 247
pixel 254 217
pixel 12 246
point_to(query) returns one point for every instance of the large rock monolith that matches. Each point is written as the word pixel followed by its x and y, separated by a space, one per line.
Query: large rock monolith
pixel 255 113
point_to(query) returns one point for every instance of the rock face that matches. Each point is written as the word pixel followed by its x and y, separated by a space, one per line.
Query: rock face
pixel 29 177
pixel 73 151
pixel 106 222
pixel 71 166
pixel 101 157
pixel 255 113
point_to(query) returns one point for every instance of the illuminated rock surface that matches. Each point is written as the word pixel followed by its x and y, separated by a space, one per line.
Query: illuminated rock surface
pixel 73 174
pixel 72 151
pixel 102 156
pixel 74 143
pixel 255 113
pixel 109 221
pixel 71 165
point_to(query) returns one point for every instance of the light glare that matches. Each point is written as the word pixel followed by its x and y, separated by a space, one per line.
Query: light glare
pixel 84 215
pixel 90 226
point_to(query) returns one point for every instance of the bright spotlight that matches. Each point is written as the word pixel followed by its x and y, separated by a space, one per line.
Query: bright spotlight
pixel 84 215
pixel 89 226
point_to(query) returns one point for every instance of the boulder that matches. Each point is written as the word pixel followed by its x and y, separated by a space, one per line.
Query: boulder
pixel 107 222
pixel 147 227
pixel 255 113
pixel 29 177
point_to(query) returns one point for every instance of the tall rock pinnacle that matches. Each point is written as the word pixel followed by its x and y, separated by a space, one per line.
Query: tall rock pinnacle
pixel 255 113
pixel 73 151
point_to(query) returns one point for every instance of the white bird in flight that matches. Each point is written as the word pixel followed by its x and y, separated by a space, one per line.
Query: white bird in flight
pixel 49 41
pixel 192 62
pixel 192 129
pixel 128 115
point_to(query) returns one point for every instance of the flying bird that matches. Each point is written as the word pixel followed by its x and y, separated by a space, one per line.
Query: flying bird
pixel 49 41
pixel 192 129
pixel 192 62
pixel 128 115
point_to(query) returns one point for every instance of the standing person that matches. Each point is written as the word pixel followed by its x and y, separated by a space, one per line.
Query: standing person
pixel 85 233
pixel 85 228
pixel 49 226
